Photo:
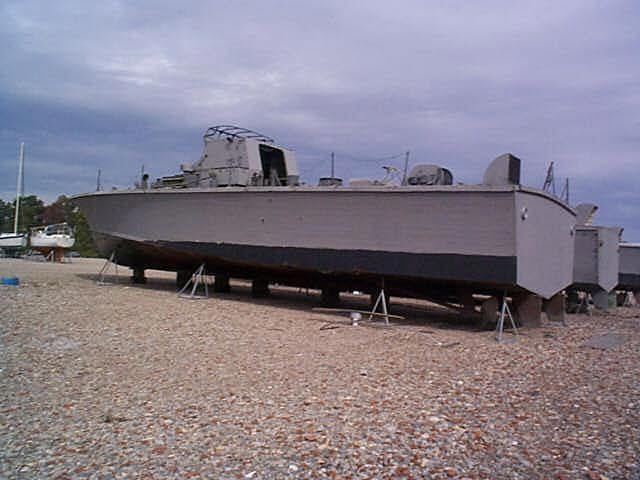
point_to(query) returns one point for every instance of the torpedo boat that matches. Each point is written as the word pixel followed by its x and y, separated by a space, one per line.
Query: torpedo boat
pixel 597 258
pixel 241 210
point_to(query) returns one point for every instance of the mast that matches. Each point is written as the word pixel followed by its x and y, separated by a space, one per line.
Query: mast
pixel 19 187
pixel 406 167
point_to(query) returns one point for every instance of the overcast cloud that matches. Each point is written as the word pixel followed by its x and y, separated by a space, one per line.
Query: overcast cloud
pixel 108 85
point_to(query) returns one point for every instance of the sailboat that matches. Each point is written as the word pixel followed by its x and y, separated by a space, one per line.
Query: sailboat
pixel 11 242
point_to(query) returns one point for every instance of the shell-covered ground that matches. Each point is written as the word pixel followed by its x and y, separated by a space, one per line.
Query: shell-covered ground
pixel 132 381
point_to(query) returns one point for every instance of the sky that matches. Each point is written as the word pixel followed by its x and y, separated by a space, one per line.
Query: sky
pixel 115 85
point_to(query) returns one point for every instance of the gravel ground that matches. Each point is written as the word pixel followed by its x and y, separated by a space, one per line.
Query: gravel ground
pixel 128 381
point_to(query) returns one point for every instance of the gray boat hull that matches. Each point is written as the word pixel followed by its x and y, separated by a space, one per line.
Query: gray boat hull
pixel 415 238
pixel 629 275
pixel 597 258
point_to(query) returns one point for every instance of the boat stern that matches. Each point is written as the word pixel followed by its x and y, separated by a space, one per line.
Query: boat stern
pixel 545 229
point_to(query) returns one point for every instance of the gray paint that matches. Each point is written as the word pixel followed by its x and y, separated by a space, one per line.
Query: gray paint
pixel 609 258
pixel 630 258
pixel 390 219
pixel 585 213
pixel 629 276
pixel 462 220
pixel 545 243
pixel 585 264
pixel 503 170
pixel 596 260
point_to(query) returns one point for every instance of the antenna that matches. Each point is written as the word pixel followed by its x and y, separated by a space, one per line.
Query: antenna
pixel 19 187
pixel 549 182
pixel 143 178
pixel 98 182
pixel 332 165
pixel 406 166
pixel 564 194
pixel 391 174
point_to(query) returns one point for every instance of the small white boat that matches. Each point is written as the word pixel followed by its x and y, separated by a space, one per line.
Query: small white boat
pixel 57 238
pixel 12 240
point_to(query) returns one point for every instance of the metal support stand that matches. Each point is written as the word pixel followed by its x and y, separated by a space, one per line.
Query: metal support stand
pixel 500 327
pixel 105 268
pixel 622 299
pixel 50 257
pixel 197 278
pixel 631 299
pixel 580 302
pixel 586 305
pixel 381 300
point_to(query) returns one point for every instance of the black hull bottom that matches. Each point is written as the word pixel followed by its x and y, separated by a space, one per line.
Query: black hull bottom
pixel 628 281
pixel 404 274
pixel 585 287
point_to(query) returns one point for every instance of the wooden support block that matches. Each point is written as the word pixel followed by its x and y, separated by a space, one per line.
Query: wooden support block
pixel 555 308
pixel 600 299
pixel 221 284
pixel 259 288
pixel 330 297
pixel 138 276
pixel 465 297
pixel 527 309
pixel 489 310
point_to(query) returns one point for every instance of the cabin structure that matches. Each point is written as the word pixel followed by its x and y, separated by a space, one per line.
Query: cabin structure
pixel 236 157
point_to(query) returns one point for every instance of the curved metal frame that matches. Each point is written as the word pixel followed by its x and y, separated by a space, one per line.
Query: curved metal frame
pixel 231 131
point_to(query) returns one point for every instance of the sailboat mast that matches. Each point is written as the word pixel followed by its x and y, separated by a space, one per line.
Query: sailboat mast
pixel 19 187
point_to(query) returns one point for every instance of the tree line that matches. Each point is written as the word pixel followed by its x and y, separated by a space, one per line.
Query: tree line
pixel 34 213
